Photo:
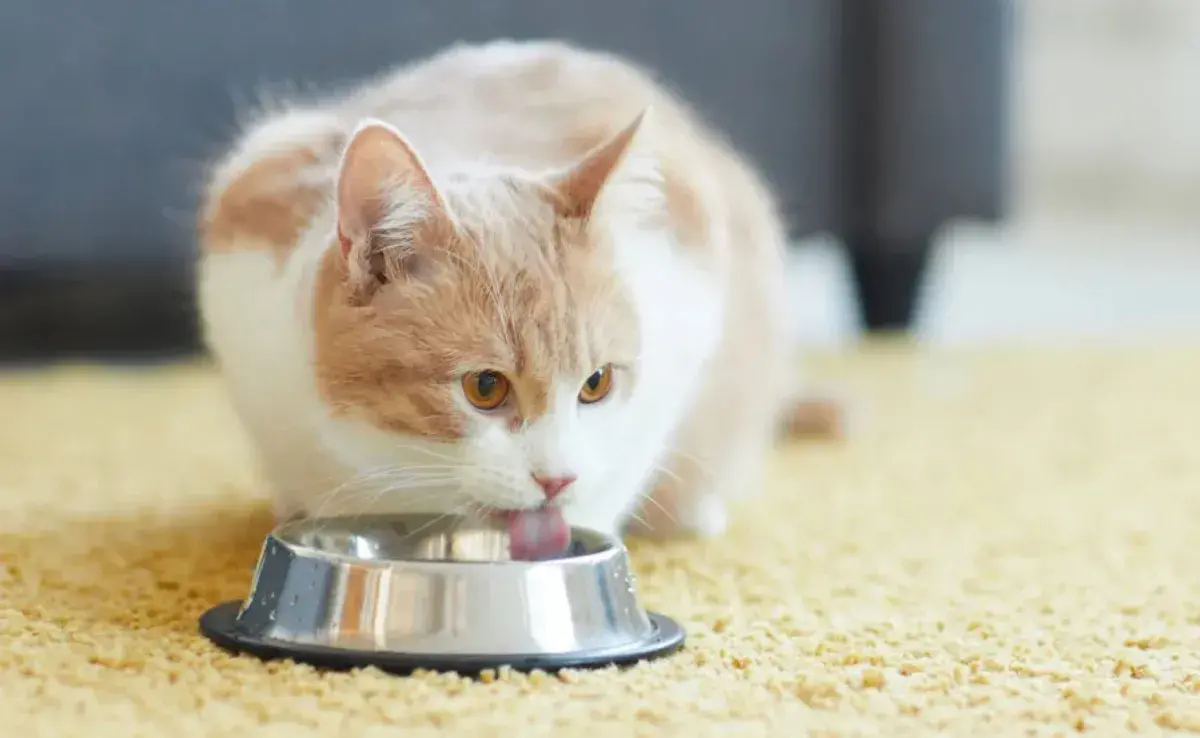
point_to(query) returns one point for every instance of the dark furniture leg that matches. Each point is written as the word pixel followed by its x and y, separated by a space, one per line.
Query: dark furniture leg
pixel 888 278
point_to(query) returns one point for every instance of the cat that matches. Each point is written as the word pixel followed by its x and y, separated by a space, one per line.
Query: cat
pixel 512 278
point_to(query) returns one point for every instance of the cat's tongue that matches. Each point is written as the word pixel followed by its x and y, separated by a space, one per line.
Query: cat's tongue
pixel 537 534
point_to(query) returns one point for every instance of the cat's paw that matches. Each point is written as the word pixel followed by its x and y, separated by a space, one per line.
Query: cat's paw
pixel 824 413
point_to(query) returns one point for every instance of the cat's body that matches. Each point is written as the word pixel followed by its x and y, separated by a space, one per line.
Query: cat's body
pixel 370 290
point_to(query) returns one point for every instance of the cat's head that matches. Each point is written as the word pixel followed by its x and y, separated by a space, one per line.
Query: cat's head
pixel 476 344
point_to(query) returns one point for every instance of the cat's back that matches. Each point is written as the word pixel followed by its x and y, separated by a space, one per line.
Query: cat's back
pixel 536 104
pixel 524 103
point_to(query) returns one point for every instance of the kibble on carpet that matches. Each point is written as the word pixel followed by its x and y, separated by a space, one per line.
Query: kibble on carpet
pixel 1010 545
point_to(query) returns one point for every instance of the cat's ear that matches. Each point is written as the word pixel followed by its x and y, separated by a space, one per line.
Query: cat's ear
pixel 622 173
pixel 386 203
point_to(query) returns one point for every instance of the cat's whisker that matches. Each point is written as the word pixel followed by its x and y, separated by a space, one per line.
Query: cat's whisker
pixel 633 514
pixel 423 483
pixel 392 470
pixel 436 479
pixel 415 469
pixel 668 472
pixel 383 475
pixel 648 496
pixel 349 507
pixel 646 492
pixel 428 452
pixel 694 460
pixel 428 479
pixel 411 505
pixel 430 485
pixel 347 486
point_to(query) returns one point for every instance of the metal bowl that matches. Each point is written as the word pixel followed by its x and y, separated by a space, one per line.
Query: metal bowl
pixel 441 593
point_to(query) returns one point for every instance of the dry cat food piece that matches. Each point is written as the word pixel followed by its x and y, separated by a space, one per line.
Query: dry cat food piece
pixel 815 419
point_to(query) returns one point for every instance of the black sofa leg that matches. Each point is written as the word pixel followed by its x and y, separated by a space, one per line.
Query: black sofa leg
pixel 888 279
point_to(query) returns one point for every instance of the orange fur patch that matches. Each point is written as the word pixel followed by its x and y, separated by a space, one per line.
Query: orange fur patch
pixel 265 207
pixel 814 419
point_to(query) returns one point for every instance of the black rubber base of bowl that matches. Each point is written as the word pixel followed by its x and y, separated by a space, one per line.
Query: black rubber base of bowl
pixel 219 625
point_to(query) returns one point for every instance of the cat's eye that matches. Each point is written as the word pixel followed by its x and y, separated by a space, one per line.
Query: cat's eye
pixel 597 386
pixel 486 390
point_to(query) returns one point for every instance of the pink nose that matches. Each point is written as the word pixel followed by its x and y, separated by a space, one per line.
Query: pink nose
pixel 553 486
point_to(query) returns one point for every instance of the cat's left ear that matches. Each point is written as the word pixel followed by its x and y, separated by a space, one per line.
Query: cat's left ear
pixel 388 206
pixel 623 173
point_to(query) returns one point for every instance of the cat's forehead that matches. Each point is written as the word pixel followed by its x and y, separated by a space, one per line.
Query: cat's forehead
pixel 547 285
pixel 553 299
pixel 511 226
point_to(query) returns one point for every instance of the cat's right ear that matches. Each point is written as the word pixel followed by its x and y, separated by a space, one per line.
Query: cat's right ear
pixel 387 203
pixel 622 171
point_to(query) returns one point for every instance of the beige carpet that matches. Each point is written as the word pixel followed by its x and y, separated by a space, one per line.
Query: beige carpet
pixel 1009 546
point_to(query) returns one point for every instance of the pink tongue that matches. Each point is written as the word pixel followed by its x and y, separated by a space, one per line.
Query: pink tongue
pixel 537 534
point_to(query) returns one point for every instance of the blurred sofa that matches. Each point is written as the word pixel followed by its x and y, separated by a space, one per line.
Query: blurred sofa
pixel 878 121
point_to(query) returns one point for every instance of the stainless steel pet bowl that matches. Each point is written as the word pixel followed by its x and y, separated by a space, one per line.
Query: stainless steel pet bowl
pixel 423 592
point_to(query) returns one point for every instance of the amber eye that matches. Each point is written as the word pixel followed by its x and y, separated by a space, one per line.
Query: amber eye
pixel 485 390
pixel 597 386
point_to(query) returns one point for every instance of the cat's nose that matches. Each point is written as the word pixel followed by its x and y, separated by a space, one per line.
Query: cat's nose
pixel 552 486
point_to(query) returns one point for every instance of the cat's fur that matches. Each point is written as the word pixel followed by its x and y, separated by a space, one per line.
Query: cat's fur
pixel 528 207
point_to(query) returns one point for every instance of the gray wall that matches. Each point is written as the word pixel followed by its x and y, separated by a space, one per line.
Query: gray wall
pixel 112 107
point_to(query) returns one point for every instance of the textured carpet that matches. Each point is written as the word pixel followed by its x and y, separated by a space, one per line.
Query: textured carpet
pixel 1009 545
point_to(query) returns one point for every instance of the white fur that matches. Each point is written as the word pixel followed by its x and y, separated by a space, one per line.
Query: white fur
pixel 258 327
pixel 680 311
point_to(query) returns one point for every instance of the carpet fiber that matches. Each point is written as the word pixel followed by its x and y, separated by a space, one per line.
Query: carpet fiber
pixel 1008 544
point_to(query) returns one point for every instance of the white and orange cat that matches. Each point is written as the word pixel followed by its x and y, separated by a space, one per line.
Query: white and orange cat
pixel 515 278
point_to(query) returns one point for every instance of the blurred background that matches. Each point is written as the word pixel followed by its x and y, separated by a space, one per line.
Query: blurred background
pixel 1100 240
pixel 965 172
